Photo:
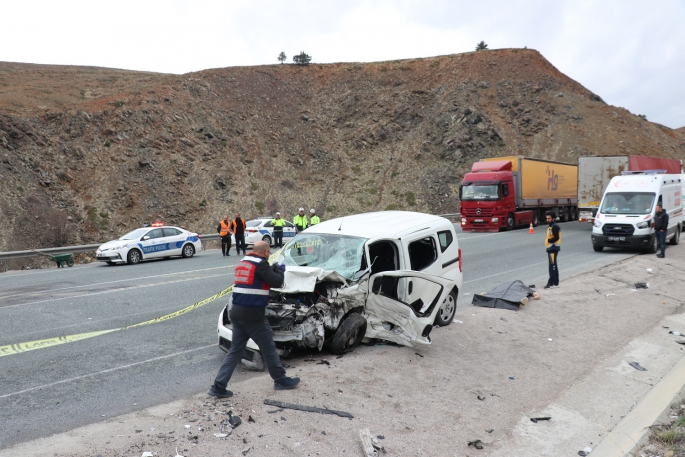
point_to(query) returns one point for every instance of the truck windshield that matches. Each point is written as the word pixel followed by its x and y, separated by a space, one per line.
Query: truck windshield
pixel 339 253
pixel 477 191
pixel 627 203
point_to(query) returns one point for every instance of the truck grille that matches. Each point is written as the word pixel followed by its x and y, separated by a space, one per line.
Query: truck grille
pixel 618 229
pixel 472 212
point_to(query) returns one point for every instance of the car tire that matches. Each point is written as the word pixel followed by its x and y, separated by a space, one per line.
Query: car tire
pixel 134 257
pixel 676 237
pixel 349 334
pixel 188 251
pixel 510 222
pixel 447 310
pixel 598 248
pixel 267 238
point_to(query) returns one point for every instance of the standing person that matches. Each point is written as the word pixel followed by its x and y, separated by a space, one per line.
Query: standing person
pixel 660 225
pixel 253 279
pixel 553 245
pixel 225 232
pixel 238 226
pixel 278 223
pixel 313 218
pixel 300 221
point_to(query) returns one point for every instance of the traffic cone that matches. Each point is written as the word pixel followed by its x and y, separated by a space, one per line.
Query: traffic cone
pixel 530 230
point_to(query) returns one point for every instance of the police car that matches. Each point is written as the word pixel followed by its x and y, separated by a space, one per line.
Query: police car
pixel 261 229
pixel 151 242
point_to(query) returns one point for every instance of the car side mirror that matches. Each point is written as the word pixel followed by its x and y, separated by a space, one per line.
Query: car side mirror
pixel 145 238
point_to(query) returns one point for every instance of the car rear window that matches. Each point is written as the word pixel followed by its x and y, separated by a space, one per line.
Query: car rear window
pixel 253 223
pixel 445 239
pixel 422 253
pixel 171 231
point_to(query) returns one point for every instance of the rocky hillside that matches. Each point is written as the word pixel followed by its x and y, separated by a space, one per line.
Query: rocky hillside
pixel 89 153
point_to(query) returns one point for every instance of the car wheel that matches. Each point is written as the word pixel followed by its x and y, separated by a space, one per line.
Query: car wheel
pixel 676 237
pixel 447 310
pixel 510 221
pixel 349 334
pixel 598 248
pixel 134 256
pixel 653 246
pixel 536 218
pixel 267 238
pixel 188 251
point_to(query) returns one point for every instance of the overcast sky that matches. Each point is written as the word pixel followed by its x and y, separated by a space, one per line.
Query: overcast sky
pixel 630 52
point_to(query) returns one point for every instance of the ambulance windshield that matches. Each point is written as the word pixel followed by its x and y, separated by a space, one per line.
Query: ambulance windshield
pixel 627 203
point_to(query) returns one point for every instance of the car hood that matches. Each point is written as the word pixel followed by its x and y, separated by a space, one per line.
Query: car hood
pixel 304 279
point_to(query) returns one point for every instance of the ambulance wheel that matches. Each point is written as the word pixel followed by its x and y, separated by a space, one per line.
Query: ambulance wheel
pixel 676 237
pixel 267 239
pixel 188 251
pixel 653 246
pixel 134 257
pixel 598 248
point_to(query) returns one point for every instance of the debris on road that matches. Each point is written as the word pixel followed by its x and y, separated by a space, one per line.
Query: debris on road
pixel 637 366
pixel 478 444
pixel 420 355
pixel 369 443
pixel 311 409
pixel 673 332
pixel 536 419
pixel 642 285
pixel 509 295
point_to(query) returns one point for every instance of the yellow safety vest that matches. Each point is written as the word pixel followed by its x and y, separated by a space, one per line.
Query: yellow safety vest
pixel 314 220
pixel 278 222
pixel 550 235
pixel 300 220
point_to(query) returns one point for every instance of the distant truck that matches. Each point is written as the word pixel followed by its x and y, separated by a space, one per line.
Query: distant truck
pixel 504 192
pixel 594 174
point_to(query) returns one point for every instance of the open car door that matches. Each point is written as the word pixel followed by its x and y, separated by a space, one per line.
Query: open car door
pixel 401 305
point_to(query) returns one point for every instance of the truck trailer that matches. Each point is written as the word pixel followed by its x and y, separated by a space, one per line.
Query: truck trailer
pixel 504 192
pixel 594 174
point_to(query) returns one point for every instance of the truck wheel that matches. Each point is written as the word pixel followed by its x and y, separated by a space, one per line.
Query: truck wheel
pixel 676 237
pixel 564 214
pixel 349 334
pixel 574 213
pixel 598 248
pixel 653 246
pixel 536 218
pixel 510 222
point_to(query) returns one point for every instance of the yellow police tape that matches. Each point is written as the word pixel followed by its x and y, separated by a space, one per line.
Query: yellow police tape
pixel 12 349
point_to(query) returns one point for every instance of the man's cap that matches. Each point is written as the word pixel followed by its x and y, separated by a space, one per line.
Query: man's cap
pixel 312 210
pixel 301 209
pixel 277 213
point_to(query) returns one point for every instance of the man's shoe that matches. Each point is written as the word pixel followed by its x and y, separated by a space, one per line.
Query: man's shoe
pixel 286 383
pixel 555 286
pixel 214 391
pixel 548 286
pixel 661 256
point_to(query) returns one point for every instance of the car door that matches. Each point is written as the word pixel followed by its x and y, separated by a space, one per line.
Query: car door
pixel 288 231
pixel 153 244
pixel 175 239
pixel 406 321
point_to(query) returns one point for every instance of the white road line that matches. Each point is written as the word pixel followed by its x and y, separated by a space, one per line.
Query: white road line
pixel 120 280
pixel 110 370
pixel 52 299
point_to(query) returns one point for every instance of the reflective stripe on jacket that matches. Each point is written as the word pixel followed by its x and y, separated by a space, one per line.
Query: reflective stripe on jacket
pixel 249 289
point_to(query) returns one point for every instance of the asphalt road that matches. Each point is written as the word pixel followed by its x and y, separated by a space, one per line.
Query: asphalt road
pixel 58 388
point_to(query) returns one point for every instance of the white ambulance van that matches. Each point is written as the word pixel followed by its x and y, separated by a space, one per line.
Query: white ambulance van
pixel 625 215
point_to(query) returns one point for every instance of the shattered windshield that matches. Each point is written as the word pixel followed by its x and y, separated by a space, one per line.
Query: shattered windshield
pixel 340 253
pixel 627 203
pixel 480 192
pixel 136 234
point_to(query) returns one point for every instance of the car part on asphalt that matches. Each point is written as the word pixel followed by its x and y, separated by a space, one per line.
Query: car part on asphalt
pixel 311 409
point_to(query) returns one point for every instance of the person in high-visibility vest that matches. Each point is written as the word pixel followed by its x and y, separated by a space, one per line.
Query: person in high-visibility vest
pixel 313 218
pixel 225 232
pixel 553 246
pixel 278 223
pixel 300 221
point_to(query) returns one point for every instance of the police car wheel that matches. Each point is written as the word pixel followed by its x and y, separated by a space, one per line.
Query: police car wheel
pixel 188 251
pixel 134 257
pixel 267 238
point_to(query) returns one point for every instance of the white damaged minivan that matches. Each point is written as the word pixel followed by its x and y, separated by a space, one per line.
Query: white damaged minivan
pixel 389 275
pixel 626 212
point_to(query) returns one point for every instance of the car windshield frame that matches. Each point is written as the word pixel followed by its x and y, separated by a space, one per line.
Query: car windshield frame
pixel 343 254
pixel 628 203
pixel 140 233
pixel 480 191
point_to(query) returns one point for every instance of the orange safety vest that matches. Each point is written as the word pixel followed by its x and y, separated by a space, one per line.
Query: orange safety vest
pixel 225 228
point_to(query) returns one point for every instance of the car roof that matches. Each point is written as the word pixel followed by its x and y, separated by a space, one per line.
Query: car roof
pixel 380 223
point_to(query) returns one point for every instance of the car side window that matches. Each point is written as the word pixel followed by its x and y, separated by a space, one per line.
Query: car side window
pixel 289 224
pixel 156 233
pixel 268 225
pixel 422 253
pixel 445 239
pixel 171 232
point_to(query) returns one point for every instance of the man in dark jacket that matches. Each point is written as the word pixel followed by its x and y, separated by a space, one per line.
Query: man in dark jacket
pixel 253 279
pixel 552 246
pixel 660 225
pixel 238 226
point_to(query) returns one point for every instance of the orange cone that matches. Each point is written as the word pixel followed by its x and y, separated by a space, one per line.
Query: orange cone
pixel 530 230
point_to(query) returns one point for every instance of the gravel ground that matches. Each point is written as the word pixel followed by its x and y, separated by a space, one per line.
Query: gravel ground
pixel 481 375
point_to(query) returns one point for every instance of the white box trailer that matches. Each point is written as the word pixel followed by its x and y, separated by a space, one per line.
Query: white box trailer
pixel 626 212
pixel 594 174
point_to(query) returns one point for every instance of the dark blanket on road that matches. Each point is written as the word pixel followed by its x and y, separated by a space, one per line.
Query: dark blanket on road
pixel 507 295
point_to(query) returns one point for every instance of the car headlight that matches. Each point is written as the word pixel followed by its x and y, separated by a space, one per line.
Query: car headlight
pixel 597 224
pixel 463 221
pixel 644 224
pixel 495 220
pixel 105 249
